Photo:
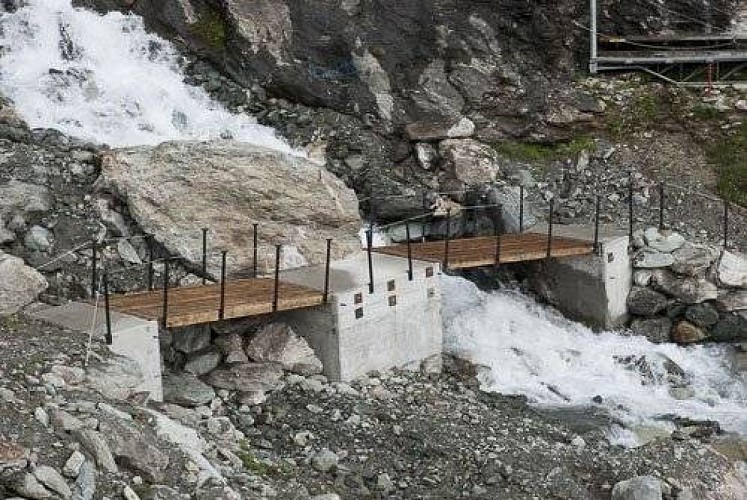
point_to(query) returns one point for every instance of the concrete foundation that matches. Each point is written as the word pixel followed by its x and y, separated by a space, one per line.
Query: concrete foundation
pixel 132 337
pixel 592 289
pixel 398 325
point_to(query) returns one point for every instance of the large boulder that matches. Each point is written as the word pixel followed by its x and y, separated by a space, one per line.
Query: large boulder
pixel 638 488
pixel 469 161
pixel 278 343
pixel 20 198
pixel 732 270
pixel 686 290
pixel 133 449
pixel 657 330
pixel 247 377
pixel 19 284
pixel 646 302
pixel 693 260
pixel 186 389
pixel 176 188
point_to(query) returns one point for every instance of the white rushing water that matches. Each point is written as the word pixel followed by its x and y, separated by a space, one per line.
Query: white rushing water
pixel 532 350
pixel 103 78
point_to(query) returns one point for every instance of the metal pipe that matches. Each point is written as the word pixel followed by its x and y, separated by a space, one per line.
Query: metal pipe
pixel 661 206
pixel 521 209
pixel 109 339
pixel 204 256
pixel 165 292
pixel 448 239
pixel 726 223
pixel 256 249
pixel 498 231
pixel 593 35
pixel 94 271
pixel 597 215
pixel 409 252
pixel 549 228
pixel 149 242
pixel 369 250
pixel 326 270
pixel 631 222
pixel 222 310
pixel 425 213
pixel 276 289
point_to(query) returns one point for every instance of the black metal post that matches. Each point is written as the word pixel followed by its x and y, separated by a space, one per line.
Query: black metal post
pixel 521 209
pixel 631 221
pixel 661 206
pixel 409 251
pixel 369 250
pixel 498 231
pixel 326 270
pixel 276 289
pixel 448 239
pixel 726 223
pixel 549 228
pixel 109 339
pixel 204 256
pixel 94 271
pixel 165 292
pixel 256 249
pixel 222 310
pixel 425 216
pixel 597 214
pixel 149 242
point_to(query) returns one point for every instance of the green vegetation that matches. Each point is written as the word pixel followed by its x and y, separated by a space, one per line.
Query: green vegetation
pixel 704 112
pixel 211 29
pixel 255 465
pixel 527 151
pixel 730 157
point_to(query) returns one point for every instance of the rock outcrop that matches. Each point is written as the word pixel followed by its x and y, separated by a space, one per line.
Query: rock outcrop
pixel 19 284
pixel 175 189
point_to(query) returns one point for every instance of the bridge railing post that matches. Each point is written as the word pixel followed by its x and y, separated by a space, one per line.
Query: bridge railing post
pixel 109 338
pixel 94 270
pixel 327 265
pixel 222 310
pixel 447 240
pixel 276 288
pixel 550 228
pixel 409 251
pixel 597 216
pixel 521 209
pixel 150 241
pixel 726 224
pixel 204 255
pixel 165 312
pixel 631 219
pixel 661 206
pixel 369 251
pixel 425 215
pixel 255 258
pixel 498 232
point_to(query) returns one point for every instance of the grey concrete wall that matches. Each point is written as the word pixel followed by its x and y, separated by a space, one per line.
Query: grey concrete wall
pixel 591 289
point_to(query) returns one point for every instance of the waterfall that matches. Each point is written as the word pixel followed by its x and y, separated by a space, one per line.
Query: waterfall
pixel 105 79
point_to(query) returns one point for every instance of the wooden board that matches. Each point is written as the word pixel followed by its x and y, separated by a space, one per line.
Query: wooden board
pixel 201 304
pixel 469 253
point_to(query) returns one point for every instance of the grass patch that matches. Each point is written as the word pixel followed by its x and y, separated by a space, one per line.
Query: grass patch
pixel 704 112
pixel 730 157
pixel 256 466
pixel 211 29
pixel 529 151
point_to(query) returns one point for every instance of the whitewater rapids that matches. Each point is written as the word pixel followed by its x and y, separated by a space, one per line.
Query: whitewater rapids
pixel 103 78
pixel 532 350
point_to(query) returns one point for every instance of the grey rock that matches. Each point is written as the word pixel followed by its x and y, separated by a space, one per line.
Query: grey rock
pixel 702 315
pixel 278 343
pixel 436 130
pixel 232 185
pixel 427 155
pixel 6 235
pixel 64 422
pixel 665 242
pixel 73 464
pixel 733 301
pixel 232 347
pixel 656 330
pixel 116 377
pixel 85 485
pixel 70 374
pixel 203 362
pixel 647 259
pixel 41 416
pixel 469 161
pixel 685 289
pixel 693 260
pixel 191 339
pixel 509 197
pixel 19 284
pixel 96 445
pixel 247 377
pixel 642 278
pixel 731 328
pixel 732 270
pixel 28 486
pixel 645 302
pixel 324 460
pixel 19 198
pixel 638 488
pixel 437 96
pixel 134 449
pixel 12 455
pixel 52 479
pixel 186 389
pixel 127 252
pixel 38 239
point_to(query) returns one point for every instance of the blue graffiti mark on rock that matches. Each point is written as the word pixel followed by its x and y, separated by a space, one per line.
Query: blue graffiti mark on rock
pixel 343 68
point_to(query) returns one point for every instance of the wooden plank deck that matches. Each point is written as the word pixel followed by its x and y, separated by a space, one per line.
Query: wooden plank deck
pixel 477 252
pixel 200 304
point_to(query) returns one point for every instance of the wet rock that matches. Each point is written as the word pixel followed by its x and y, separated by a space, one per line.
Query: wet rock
pixel 191 339
pixel 732 270
pixel 203 362
pixel 702 315
pixel 315 204
pixel 638 488
pixel 19 284
pixel 685 332
pixel 440 130
pixel 52 479
pixel 665 241
pixel 278 343
pixel 646 302
pixel 657 330
pixel 686 290
pixel 186 389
